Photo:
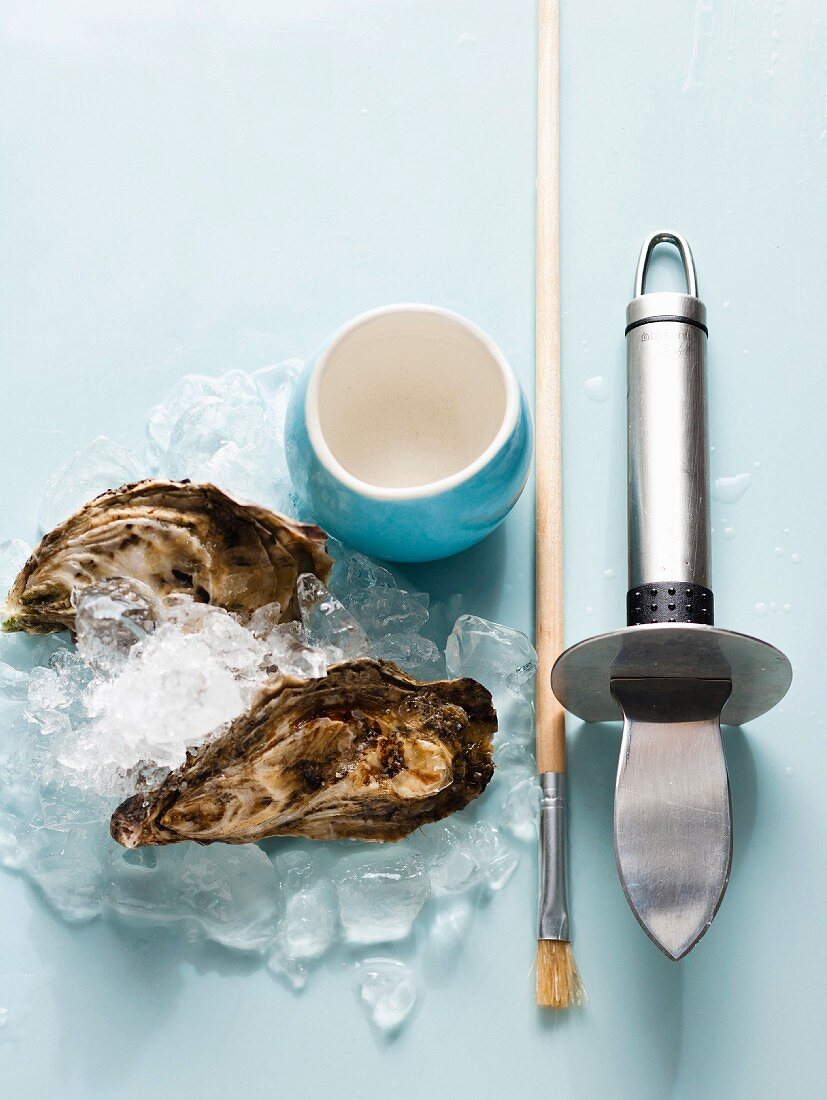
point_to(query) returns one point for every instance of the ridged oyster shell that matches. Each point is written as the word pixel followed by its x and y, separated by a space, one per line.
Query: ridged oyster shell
pixel 364 753
pixel 173 536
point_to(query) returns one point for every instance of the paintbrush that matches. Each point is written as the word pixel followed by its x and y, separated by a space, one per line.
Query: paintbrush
pixel 558 982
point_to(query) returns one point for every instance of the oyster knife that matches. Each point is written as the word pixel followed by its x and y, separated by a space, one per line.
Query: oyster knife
pixel 671 675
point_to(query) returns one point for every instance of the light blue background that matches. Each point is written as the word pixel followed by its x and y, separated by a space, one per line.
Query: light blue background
pixel 189 186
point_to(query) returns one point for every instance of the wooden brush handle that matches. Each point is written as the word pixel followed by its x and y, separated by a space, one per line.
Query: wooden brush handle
pixel 551 723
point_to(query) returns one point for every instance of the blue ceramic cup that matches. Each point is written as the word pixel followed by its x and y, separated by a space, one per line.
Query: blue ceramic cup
pixel 408 436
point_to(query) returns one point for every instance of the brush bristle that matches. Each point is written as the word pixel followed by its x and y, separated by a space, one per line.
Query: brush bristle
pixel 558 982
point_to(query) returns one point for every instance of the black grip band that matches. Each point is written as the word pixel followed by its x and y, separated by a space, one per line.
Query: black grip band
pixel 670 602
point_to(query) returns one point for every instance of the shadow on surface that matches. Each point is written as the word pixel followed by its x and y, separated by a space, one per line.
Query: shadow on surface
pixel 743 782
pixel 653 984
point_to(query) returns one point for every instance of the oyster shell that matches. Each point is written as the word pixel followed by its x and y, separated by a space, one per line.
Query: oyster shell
pixel 174 537
pixel 365 753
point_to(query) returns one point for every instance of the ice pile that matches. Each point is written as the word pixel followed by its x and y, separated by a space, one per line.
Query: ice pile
pixel 82 726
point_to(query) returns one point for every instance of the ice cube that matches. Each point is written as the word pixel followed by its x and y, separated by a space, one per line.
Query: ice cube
pixel 501 868
pixel 14 553
pixel 233 389
pixel 329 625
pixel 382 611
pixel 496 655
pixel 454 866
pixel 466 854
pixel 521 680
pixel 247 473
pixel 233 892
pixel 520 812
pixel 264 620
pixel 411 652
pixel 209 424
pixel 101 465
pixel 274 385
pixel 504 661
pixel 380 897
pixel 514 761
pixel 110 617
pixel 163 418
pixel 309 925
pixel 388 993
pixel 309 922
pixel 143 884
pixel 56 692
pixel 497 860
pixel 352 570
pixel 287 651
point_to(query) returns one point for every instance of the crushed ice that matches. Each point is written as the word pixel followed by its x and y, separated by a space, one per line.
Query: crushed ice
pixel 82 726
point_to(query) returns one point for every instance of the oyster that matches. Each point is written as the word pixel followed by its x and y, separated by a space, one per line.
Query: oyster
pixel 365 753
pixel 174 537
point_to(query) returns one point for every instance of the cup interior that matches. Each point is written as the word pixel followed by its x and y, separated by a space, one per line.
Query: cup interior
pixel 408 397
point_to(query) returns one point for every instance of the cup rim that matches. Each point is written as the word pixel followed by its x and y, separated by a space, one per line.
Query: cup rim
pixel 319 444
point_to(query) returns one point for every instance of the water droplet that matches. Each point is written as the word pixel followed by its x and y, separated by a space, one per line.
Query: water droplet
pixel 363 111
pixel 729 532
pixel 730 489
pixel 726 305
pixel 788 608
pixel 778 551
pixel 609 574
pixel 789 771
pixel 773 606
pixel 745 351
pixel 589 610
pixel 761 609
pixel 597 388
pixel 467 40
pixel 4 1016
pixel 795 559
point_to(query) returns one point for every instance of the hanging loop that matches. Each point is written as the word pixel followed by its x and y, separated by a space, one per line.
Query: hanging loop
pixel 649 245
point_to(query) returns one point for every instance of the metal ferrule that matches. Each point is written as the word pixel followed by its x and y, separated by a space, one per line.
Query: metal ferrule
pixel 554 905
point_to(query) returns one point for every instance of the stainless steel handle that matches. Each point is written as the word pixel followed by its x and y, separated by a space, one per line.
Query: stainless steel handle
pixel 668 472
pixel 649 246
